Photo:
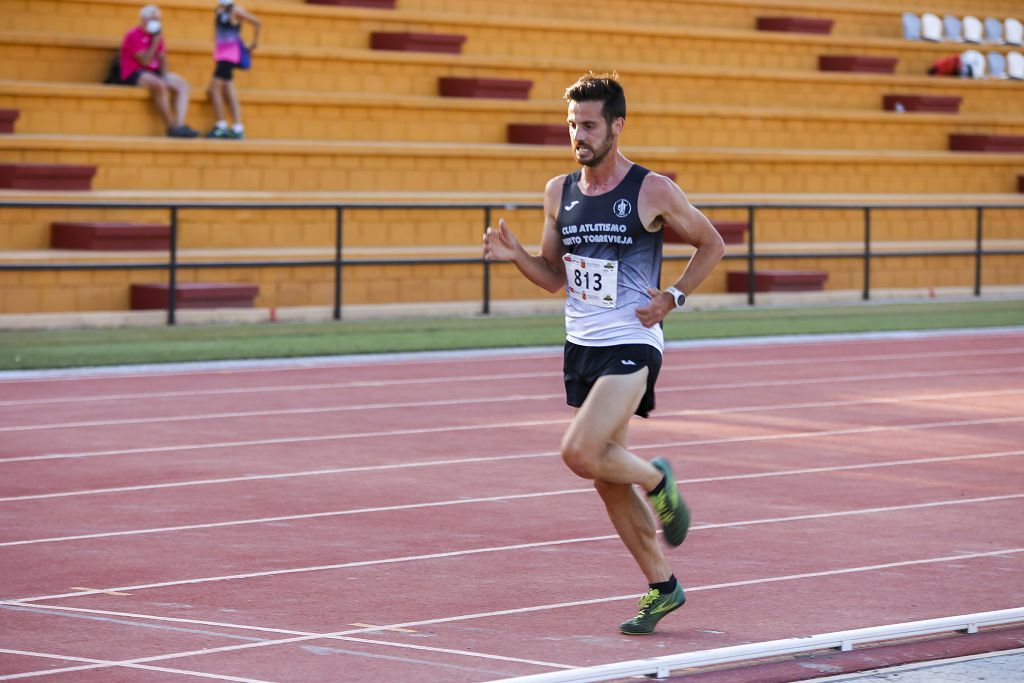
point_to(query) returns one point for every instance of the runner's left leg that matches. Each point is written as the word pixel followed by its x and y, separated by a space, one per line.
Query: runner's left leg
pixel 589 447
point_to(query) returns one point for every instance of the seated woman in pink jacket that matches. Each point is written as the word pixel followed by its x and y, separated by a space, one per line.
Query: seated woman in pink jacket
pixel 144 62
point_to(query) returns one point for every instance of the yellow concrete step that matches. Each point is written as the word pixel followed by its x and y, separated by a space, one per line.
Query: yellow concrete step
pixel 869 17
pixel 263 165
pixel 300 23
pixel 613 46
pixel 76 109
pixel 84 60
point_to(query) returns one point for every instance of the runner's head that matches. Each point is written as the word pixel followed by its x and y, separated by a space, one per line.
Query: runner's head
pixel 597 113
pixel 603 88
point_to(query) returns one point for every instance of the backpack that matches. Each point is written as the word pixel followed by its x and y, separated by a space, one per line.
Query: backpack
pixel 114 71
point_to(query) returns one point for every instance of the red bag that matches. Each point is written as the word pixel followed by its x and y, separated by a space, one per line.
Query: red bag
pixel 947 66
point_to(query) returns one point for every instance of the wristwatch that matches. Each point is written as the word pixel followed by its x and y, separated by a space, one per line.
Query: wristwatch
pixel 677 296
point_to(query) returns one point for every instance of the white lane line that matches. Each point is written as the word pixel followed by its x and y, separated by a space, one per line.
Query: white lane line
pixel 491 399
pixel 509 497
pixel 106 663
pixel 462 501
pixel 362 435
pixel 769 362
pixel 960 396
pixel 60 610
pixel 563 605
pixel 515 547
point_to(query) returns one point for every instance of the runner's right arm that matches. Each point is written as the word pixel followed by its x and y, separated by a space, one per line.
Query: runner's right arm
pixel 546 270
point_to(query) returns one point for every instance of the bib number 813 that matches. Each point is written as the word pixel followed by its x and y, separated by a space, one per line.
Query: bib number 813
pixel 584 280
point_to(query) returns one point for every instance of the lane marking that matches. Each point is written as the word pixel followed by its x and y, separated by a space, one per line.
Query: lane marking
pixel 333 437
pixel 354 384
pixel 508 497
pixel 97 590
pixel 665 414
pixel 384 628
pixel 539 608
pixel 515 547
pixel 85 613
pixel 482 400
pixel 106 663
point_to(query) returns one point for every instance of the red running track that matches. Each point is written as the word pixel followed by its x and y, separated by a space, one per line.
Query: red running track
pixel 410 519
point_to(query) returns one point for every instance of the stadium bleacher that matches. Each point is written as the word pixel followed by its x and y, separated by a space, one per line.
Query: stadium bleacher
pixel 334 112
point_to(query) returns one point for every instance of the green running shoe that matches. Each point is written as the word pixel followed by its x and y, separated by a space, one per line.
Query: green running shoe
pixel 653 606
pixel 670 506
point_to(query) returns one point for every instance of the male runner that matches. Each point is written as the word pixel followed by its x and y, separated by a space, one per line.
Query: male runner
pixel 601 244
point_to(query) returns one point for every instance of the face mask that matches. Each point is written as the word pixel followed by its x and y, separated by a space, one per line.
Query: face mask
pixel 153 26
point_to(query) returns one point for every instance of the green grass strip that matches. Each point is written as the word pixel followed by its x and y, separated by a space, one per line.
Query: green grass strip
pixel 37 349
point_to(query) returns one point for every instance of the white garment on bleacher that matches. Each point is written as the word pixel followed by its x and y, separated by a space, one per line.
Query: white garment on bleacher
pixel 911 26
pixel 996 65
pixel 952 25
pixel 972 64
pixel 1015 65
pixel 973 31
pixel 1014 33
pixel 993 30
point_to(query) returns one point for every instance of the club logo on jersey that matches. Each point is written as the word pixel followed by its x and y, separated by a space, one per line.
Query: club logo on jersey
pixel 622 208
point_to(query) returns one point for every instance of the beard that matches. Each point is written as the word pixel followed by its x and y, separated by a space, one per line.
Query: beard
pixel 598 154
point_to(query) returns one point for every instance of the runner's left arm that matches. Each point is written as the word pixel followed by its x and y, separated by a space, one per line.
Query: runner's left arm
pixel 676 213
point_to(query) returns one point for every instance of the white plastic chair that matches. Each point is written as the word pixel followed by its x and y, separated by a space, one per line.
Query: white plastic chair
pixel 973 30
pixel 911 26
pixel 996 65
pixel 931 27
pixel 952 26
pixel 972 64
pixel 993 30
pixel 1013 31
pixel 1015 65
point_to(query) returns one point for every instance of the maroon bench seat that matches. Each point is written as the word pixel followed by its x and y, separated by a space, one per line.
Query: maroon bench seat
pixel 861 63
pixel 7 119
pixel 500 88
pixel 732 232
pixel 817 25
pixel 46 176
pixel 372 4
pixel 450 43
pixel 777 280
pixel 538 134
pixel 980 142
pixel 150 296
pixel 944 104
pixel 109 235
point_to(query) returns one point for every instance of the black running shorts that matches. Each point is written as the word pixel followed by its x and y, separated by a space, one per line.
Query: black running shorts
pixel 224 70
pixel 583 365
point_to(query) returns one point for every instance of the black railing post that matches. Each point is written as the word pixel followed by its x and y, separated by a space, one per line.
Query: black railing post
pixel 487 267
pixel 751 273
pixel 977 251
pixel 337 261
pixel 172 269
pixel 867 254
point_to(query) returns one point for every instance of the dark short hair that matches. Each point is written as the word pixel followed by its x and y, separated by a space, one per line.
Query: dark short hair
pixel 604 88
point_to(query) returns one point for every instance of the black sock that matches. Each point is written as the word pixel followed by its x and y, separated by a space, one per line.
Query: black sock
pixel 659 488
pixel 665 587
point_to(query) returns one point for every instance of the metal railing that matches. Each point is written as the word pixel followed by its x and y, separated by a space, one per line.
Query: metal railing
pixel 339 262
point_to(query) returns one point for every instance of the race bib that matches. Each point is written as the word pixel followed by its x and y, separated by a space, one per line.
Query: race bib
pixel 592 280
